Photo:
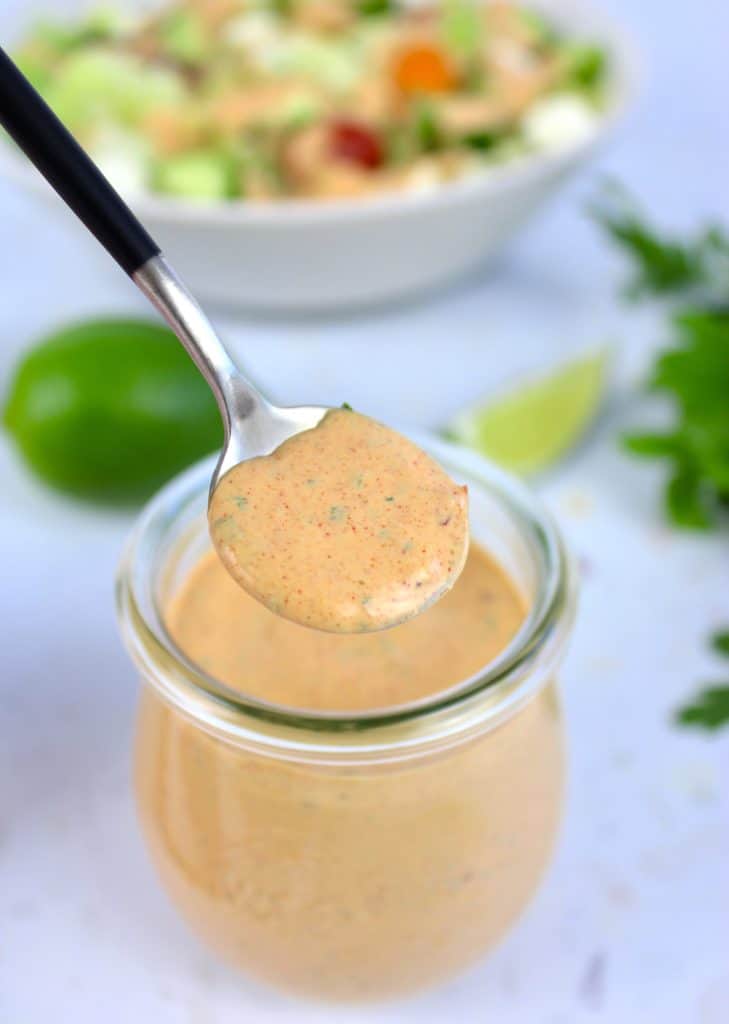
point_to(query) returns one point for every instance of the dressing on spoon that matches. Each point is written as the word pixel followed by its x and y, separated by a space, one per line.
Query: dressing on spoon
pixel 347 527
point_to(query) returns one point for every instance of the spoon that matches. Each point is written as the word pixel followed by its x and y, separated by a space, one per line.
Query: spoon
pixel 410 542
pixel 252 425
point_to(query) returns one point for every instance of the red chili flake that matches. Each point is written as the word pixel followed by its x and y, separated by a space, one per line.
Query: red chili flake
pixel 355 143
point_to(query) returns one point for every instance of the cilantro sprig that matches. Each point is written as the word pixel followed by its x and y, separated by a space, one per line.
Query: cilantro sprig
pixel 663 264
pixel 693 373
pixel 693 370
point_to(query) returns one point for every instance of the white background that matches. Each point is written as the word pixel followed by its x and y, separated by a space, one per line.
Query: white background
pixel 632 924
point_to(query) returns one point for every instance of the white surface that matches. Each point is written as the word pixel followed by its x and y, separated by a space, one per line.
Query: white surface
pixel 314 256
pixel 631 925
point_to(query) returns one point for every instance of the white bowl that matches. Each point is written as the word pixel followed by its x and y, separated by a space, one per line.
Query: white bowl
pixel 306 256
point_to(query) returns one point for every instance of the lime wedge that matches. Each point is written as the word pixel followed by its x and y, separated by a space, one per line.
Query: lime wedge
pixel 529 427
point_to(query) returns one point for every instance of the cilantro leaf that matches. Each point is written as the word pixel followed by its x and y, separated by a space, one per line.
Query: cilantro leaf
pixel 694 374
pixel 653 446
pixel 720 642
pixel 686 502
pixel 662 264
pixel 709 710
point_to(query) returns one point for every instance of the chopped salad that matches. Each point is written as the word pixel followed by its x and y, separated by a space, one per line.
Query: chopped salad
pixel 275 99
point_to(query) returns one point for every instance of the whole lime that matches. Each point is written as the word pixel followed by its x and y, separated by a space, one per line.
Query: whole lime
pixel 111 409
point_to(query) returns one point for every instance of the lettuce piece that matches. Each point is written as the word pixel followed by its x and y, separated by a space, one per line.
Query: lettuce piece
pixel 97 26
pixel 205 174
pixel 98 87
pixel 184 38
pixel 461 26
pixel 540 26
pixel 333 65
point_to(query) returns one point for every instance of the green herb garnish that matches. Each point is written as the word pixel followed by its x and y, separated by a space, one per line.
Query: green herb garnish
pixel 720 642
pixel 373 8
pixel 664 264
pixel 426 127
pixel 710 708
pixel 483 141
pixel 694 373
pixel 587 66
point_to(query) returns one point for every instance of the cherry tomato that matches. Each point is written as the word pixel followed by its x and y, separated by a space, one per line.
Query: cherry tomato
pixel 355 143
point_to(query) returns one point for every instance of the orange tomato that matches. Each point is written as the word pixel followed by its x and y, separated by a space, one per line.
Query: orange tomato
pixel 424 68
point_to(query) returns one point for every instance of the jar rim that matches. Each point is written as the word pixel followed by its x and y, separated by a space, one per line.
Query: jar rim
pixel 485 698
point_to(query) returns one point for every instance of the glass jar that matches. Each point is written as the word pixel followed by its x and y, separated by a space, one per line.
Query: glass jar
pixel 351 856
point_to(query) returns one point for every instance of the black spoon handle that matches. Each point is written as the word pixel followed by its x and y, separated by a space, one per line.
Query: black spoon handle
pixel 49 145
